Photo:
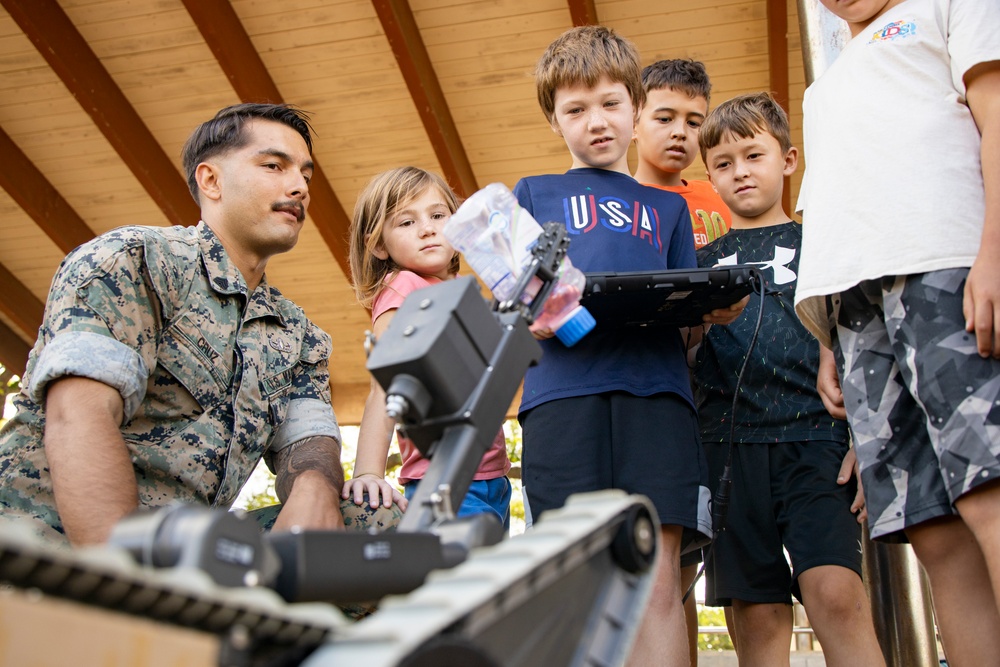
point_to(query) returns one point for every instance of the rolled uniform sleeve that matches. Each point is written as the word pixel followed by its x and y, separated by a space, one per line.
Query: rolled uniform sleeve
pixel 101 321
pixel 93 356
pixel 307 417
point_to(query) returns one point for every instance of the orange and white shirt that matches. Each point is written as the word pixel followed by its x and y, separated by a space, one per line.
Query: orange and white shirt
pixel 710 217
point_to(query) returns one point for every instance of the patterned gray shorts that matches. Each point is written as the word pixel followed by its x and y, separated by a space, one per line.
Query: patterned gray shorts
pixel 923 406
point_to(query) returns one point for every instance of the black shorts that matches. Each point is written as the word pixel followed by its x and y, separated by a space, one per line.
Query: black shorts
pixel 784 496
pixel 647 445
pixel 691 558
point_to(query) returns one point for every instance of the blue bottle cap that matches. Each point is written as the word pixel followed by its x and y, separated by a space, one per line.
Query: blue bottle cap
pixel 576 327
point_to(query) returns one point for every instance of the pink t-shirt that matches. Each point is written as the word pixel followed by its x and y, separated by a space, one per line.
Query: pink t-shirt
pixel 495 462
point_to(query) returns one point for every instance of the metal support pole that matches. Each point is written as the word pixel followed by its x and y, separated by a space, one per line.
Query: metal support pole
pixel 897 587
pixel 802 641
pixel 823 36
pixel 901 604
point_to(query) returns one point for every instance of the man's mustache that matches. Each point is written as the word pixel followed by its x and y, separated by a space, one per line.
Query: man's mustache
pixel 300 210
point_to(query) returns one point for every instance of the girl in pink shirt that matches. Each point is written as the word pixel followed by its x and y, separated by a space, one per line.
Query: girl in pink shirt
pixel 396 248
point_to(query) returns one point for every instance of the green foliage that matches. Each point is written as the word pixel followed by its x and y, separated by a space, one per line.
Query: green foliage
pixel 516 500
pixel 512 434
pixel 7 391
pixel 713 616
pixel 265 497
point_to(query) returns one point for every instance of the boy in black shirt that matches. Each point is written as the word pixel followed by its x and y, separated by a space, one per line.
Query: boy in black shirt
pixel 788 450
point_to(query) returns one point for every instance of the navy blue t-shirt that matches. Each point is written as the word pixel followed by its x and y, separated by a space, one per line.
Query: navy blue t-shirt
pixel 778 397
pixel 615 224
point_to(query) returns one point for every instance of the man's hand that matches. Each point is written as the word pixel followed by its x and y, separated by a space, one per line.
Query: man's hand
pixel 726 315
pixel 848 468
pixel 378 490
pixel 92 476
pixel 308 483
pixel 312 505
pixel 828 384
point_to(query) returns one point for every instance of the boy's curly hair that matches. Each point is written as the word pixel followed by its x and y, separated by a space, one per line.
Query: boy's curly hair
pixel 742 117
pixel 686 76
pixel 583 55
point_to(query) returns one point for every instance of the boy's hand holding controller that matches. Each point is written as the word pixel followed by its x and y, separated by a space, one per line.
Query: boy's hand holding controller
pixel 726 315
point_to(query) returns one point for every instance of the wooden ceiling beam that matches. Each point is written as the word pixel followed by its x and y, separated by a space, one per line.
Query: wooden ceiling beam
pixel 27 186
pixel 418 72
pixel 225 35
pixel 19 304
pixel 777 50
pixel 71 58
pixel 777 66
pixel 13 353
pixel 582 12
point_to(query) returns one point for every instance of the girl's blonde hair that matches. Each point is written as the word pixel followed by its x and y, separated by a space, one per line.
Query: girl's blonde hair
pixel 382 197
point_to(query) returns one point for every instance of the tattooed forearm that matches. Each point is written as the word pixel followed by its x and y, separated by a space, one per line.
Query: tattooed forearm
pixel 319 453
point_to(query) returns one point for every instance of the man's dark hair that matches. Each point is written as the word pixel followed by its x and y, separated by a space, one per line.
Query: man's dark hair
pixel 687 76
pixel 227 131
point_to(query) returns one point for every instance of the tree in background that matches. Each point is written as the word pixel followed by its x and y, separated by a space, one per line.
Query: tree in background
pixel 713 617
pixel 512 434
pixel 10 384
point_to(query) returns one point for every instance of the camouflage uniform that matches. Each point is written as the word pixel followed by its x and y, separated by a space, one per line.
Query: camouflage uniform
pixel 211 376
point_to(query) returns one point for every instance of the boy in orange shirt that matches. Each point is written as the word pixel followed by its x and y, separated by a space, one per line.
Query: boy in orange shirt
pixel 666 136
pixel 677 93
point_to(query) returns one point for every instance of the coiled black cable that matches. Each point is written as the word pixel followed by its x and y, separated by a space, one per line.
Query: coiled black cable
pixel 720 500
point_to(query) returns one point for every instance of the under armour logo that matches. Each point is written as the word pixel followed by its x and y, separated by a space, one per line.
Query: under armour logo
pixel 280 344
pixel 779 265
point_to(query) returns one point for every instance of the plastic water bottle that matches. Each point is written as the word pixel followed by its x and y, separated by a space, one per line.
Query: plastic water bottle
pixel 496 236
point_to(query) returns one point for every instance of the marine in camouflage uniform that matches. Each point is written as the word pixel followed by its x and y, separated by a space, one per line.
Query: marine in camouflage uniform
pixel 165 353
pixel 209 386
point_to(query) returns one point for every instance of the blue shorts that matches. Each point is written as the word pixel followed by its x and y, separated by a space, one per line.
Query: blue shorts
pixel 484 495
pixel 922 403
pixel 647 445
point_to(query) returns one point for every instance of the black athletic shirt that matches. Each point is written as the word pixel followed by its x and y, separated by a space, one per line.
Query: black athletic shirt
pixel 778 398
